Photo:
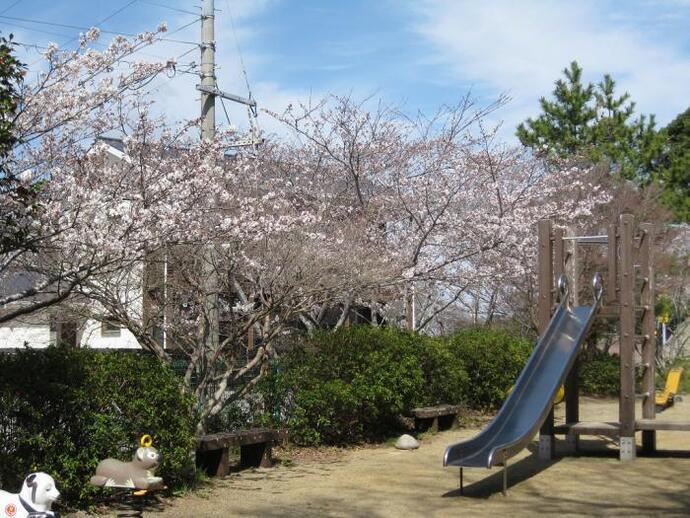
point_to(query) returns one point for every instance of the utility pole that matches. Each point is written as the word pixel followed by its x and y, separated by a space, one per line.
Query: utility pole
pixel 209 91
pixel 208 71
pixel 208 131
pixel 209 87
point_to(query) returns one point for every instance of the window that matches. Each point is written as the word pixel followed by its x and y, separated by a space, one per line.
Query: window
pixel 110 328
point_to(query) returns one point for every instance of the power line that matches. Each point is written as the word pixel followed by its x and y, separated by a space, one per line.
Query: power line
pixel 185 26
pixel 96 43
pixel 80 28
pixel 185 53
pixel 110 16
pixel 10 7
pixel 147 54
pixel 116 12
pixel 239 50
pixel 32 29
pixel 168 7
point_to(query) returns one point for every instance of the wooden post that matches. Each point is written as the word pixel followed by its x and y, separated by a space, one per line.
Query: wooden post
pixel 648 333
pixel 545 280
pixel 627 337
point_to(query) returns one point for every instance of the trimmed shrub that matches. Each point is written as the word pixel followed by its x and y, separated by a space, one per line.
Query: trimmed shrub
pixel 63 410
pixel 347 386
pixel 493 360
pixel 352 385
pixel 600 375
pixel 445 378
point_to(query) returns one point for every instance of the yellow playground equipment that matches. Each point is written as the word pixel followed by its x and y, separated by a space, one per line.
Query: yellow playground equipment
pixel 665 399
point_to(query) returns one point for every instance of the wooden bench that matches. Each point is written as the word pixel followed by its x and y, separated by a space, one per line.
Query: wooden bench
pixel 213 450
pixel 435 418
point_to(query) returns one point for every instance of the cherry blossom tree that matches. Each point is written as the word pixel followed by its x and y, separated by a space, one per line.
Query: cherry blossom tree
pixel 451 209
pixel 274 256
pixel 76 96
pixel 108 219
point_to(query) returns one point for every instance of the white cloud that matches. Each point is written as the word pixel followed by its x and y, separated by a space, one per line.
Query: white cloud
pixel 521 48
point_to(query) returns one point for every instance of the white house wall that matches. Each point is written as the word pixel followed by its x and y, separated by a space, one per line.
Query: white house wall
pixel 92 337
pixel 35 332
pixel 32 331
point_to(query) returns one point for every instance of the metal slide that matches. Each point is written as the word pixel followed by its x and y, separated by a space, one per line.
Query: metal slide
pixel 528 405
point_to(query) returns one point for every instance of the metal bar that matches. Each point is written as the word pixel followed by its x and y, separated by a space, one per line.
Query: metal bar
pixel 505 474
pixel 593 240
pixel 558 253
pixel 611 292
pixel 575 276
pixel 212 90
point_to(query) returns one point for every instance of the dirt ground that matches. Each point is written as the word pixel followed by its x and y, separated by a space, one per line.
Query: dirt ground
pixel 384 482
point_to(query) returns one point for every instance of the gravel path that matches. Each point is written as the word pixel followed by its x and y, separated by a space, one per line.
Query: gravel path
pixel 384 482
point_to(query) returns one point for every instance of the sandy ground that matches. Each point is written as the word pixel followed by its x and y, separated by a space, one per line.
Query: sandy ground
pixel 384 482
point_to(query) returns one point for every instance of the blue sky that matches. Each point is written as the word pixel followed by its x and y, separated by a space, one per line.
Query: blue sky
pixel 418 54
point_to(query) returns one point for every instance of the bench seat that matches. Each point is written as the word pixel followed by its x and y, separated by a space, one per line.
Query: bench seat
pixel 213 450
pixel 435 418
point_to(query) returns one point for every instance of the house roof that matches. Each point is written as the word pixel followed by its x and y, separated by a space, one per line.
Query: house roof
pixel 113 142
pixel 16 282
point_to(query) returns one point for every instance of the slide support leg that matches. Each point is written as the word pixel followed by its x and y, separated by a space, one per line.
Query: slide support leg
pixel 505 475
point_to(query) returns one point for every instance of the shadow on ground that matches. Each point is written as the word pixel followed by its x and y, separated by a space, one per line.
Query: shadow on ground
pixel 522 470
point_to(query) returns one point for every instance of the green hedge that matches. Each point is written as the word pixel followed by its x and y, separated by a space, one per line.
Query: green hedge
pixel 493 359
pixel 446 379
pixel 63 410
pixel 352 385
pixel 346 386
pixel 600 375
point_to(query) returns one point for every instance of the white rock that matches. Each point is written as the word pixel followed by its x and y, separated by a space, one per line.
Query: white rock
pixel 407 442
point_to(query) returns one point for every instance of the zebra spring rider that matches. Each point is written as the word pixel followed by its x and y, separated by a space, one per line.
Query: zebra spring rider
pixel 33 501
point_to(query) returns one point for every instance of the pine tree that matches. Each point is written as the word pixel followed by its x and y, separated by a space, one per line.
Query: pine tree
pixel 593 122
pixel 673 171
pixel 564 127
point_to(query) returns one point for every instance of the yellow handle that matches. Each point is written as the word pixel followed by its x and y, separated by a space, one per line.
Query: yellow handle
pixel 146 441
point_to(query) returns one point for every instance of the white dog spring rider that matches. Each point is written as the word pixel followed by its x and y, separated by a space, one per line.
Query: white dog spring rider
pixel 33 501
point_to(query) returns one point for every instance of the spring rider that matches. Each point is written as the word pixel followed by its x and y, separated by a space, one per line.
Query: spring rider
pixel 136 477
pixel 33 501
